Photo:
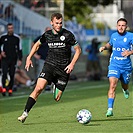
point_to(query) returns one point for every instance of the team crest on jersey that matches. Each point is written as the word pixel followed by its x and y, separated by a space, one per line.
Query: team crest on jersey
pixel 125 39
pixel 62 38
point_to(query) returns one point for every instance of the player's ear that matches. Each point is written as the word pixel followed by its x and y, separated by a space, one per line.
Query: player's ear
pixel 51 23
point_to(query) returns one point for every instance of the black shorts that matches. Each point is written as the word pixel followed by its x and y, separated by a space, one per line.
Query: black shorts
pixel 56 75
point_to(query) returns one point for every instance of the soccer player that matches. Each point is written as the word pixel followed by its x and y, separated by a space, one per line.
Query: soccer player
pixel 11 54
pixel 58 64
pixel 41 53
pixel 120 67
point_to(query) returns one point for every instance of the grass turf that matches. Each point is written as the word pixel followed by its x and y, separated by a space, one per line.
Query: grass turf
pixel 52 117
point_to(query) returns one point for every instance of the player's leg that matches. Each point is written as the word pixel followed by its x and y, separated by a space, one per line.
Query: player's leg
pixel 4 66
pixel 125 79
pixel 57 93
pixel 11 70
pixel 60 80
pixel 125 90
pixel 113 75
pixel 111 95
pixel 41 83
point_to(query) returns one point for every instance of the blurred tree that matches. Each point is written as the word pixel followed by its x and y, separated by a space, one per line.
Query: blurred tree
pixel 82 10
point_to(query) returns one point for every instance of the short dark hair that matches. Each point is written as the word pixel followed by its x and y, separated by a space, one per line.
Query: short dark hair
pixel 122 19
pixel 9 24
pixel 56 15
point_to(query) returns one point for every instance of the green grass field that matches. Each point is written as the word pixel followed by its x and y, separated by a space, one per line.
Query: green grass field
pixel 48 116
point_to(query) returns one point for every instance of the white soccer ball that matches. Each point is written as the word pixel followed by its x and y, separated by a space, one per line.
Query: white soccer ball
pixel 84 116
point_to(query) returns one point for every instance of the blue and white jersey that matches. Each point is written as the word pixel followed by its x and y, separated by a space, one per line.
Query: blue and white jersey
pixel 119 44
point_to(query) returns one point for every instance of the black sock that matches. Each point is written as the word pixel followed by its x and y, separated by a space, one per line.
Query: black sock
pixel 29 104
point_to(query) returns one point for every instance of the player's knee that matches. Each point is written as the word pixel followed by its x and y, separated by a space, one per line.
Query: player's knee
pixel 38 89
pixel 113 87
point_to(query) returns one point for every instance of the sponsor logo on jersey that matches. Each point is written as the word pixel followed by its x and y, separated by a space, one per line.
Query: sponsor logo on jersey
pixel 119 49
pixel 120 58
pixel 56 45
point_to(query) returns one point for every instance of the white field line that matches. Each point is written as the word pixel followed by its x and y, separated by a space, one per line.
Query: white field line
pixel 83 88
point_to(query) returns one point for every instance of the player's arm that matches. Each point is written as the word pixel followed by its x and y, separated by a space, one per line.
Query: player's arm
pixel 127 53
pixel 77 53
pixel 32 44
pixel 32 52
pixel 106 47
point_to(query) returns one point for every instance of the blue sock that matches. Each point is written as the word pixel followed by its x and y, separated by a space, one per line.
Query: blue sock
pixel 110 102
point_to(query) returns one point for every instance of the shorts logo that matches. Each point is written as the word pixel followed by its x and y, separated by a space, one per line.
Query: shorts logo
pixel 113 72
pixel 61 82
pixel 42 74
pixel 129 76
pixel 62 38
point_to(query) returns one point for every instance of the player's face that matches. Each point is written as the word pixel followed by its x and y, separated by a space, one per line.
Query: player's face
pixel 121 27
pixel 56 24
pixel 10 29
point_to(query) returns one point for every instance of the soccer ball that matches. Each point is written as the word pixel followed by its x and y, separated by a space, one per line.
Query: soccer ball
pixel 84 116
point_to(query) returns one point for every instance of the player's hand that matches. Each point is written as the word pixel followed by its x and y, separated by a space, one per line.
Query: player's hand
pixel 101 49
pixel 3 54
pixel 69 68
pixel 126 53
pixel 28 64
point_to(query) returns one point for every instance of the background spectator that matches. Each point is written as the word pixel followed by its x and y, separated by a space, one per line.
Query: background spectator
pixel 9 13
pixel 93 65
pixel 21 78
pixel 1 10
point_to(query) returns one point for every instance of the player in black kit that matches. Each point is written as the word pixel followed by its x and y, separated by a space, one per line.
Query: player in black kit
pixel 58 64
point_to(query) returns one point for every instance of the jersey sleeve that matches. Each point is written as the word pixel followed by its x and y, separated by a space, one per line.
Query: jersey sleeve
pixel 72 40
pixel 36 39
pixel 43 39
pixel 110 41
pixel 132 39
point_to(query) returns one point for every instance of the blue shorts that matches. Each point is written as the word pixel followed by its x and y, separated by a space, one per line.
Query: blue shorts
pixel 122 74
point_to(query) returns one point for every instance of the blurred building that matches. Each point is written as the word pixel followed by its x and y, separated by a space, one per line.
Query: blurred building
pixel 109 14
pixel 127 8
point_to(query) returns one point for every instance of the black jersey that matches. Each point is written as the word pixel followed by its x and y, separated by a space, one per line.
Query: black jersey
pixel 11 45
pixel 59 53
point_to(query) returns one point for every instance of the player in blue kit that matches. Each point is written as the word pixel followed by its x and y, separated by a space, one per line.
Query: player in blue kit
pixel 120 67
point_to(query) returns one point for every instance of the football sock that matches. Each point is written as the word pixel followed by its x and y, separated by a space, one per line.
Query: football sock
pixel 56 92
pixel 110 103
pixel 29 104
